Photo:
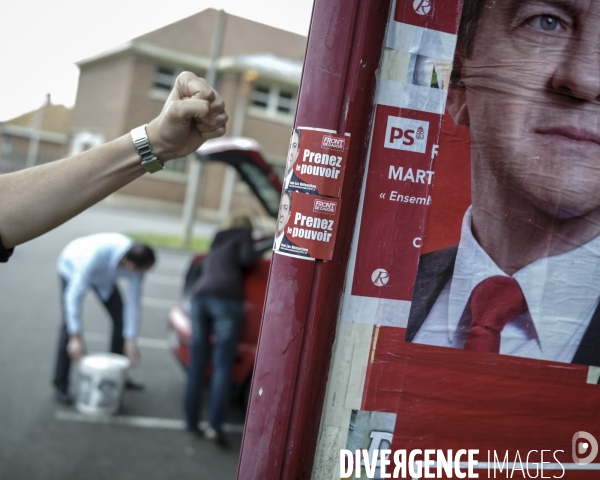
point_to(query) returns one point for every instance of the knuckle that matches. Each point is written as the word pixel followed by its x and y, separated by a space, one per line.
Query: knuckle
pixel 185 75
pixel 174 109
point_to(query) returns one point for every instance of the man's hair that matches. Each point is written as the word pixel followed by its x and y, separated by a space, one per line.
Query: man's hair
pixel 140 255
pixel 469 22
pixel 298 132
pixel 238 220
pixel 289 194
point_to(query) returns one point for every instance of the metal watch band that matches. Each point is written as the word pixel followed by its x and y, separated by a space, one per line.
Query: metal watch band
pixel 140 140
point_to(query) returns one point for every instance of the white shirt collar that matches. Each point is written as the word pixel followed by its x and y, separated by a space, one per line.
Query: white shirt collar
pixel 288 178
pixel 561 291
pixel 278 240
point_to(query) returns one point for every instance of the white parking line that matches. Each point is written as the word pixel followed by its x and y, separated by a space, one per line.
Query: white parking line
pixel 138 422
pixel 145 342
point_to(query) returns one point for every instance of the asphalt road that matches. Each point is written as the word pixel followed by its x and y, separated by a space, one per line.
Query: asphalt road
pixel 40 440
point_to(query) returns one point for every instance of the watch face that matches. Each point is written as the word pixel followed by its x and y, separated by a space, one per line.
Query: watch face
pixel 153 165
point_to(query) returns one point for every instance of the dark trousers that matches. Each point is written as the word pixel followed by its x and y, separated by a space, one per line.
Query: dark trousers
pixel 114 307
pixel 222 317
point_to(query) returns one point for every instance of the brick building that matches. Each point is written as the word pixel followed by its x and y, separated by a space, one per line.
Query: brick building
pixel 50 124
pixel 258 76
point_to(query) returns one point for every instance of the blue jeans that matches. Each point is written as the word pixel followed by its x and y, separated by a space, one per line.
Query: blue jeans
pixel 222 317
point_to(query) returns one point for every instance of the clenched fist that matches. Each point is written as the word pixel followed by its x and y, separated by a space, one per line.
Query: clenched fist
pixel 192 114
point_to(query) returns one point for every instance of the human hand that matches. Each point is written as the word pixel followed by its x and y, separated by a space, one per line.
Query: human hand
pixel 76 348
pixel 131 351
pixel 192 114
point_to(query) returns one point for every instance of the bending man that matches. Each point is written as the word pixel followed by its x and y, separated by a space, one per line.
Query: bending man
pixel 94 263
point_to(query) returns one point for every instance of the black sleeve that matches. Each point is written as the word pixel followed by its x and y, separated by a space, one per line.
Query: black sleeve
pixel 5 253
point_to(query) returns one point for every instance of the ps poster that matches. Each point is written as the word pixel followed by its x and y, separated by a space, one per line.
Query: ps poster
pixel 471 311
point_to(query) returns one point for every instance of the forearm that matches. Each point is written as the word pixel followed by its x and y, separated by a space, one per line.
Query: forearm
pixel 53 193
pixel 72 303
pixel 131 321
pixel 36 200
pixel 132 308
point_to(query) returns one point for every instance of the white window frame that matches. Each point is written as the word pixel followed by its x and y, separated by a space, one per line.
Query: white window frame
pixel 273 101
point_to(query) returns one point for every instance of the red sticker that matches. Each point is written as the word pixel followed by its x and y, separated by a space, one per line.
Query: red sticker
pixel 307 225
pixel 316 162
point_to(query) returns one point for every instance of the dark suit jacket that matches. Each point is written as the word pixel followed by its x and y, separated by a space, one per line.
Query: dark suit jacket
pixel 286 241
pixel 4 252
pixel 299 181
pixel 436 269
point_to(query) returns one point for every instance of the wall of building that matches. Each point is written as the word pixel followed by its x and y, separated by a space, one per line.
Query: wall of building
pixel 116 94
pixel 142 107
pixel 103 97
pixel 15 149
pixel 192 35
pixel 274 137
pixel 245 36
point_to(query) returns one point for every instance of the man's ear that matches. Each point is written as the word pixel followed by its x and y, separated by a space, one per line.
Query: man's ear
pixel 457 94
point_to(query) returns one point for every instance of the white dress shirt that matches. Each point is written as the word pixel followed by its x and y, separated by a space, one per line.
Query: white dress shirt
pixel 288 178
pixel 562 294
pixel 278 240
pixel 93 262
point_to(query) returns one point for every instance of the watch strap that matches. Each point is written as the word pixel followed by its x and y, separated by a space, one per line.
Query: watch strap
pixel 142 145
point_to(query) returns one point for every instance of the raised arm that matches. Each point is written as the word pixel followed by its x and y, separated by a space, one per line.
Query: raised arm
pixel 38 199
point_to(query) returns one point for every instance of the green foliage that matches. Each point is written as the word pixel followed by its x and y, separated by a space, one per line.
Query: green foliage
pixel 197 244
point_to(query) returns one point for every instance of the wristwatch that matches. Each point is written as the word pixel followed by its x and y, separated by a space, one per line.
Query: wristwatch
pixel 140 140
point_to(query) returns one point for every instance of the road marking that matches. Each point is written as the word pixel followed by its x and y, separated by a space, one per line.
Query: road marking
pixel 158 302
pixel 145 342
pixel 137 421
pixel 159 279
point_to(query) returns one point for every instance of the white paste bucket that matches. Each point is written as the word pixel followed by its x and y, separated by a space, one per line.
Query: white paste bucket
pixel 102 379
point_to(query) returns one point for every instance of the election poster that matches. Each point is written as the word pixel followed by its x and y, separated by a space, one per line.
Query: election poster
pixel 316 162
pixel 307 226
pixel 471 310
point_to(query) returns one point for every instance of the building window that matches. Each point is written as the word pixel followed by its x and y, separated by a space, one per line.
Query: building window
pixel 179 165
pixel 286 102
pixel 260 96
pixel 165 78
pixel 274 100
pixel 7 145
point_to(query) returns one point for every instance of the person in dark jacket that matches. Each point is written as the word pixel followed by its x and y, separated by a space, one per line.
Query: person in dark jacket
pixel 217 307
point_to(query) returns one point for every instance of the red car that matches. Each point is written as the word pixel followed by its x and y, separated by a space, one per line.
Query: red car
pixel 246 157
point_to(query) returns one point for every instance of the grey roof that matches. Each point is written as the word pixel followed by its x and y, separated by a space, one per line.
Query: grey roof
pixel 266 65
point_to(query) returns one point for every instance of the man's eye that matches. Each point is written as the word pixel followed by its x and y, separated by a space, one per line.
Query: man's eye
pixel 548 23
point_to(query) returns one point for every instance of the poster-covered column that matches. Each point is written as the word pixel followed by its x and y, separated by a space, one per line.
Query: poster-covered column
pixel 463 327
pixel 415 71
pixel 314 234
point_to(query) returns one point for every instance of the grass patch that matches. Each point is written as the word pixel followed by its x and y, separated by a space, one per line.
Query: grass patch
pixel 197 244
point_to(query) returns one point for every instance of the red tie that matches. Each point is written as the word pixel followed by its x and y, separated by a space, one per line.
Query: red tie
pixel 494 303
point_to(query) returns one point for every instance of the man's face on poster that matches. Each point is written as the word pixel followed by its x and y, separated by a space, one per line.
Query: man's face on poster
pixel 293 152
pixel 532 102
pixel 284 213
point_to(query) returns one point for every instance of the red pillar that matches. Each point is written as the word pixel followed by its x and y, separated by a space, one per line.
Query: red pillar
pixel 303 297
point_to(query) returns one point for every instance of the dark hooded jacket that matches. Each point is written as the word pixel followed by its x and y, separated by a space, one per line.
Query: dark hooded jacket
pixel 5 253
pixel 231 252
